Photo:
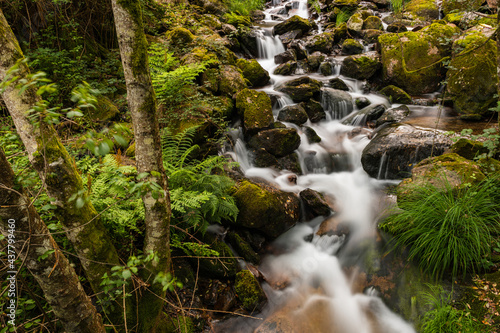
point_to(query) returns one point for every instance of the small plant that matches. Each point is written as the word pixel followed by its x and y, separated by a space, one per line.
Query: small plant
pixel 244 7
pixel 343 16
pixel 447 229
pixel 397 6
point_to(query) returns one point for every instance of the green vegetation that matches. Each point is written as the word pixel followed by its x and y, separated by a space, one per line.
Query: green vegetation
pixel 244 7
pixel 343 16
pixel 447 229
pixel 397 6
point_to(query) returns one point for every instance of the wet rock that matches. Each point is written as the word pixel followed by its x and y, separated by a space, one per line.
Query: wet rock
pixel 457 5
pixel 230 80
pixel 393 115
pixel 315 203
pixel 355 23
pixel 283 57
pixel 300 51
pixel 311 135
pixel 314 110
pixel 396 27
pixel 254 107
pixel 265 208
pixel 423 51
pixel 291 163
pixel 396 95
pixel 263 159
pixel 362 102
pixel 253 72
pixel 468 149
pixel 248 41
pixel 288 68
pixel 381 3
pixel 425 9
pixel 337 102
pixel 242 247
pixel 362 66
pixel 396 148
pixel 337 83
pixel 370 36
pixel 340 32
pixel 248 290
pixel 473 88
pixel 301 89
pixel 326 68
pixel 315 59
pixel 289 36
pixel 226 300
pixel 373 22
pixel 364 116
pixel 293 23
pixel 322 42
pixel 351 46
pixel 279 142
pixel 258 15
pixel 293 114
pixel 333 226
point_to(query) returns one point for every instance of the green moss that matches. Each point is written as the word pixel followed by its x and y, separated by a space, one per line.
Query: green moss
pixel 468 149
pixel 360 67
pixel 321 42
pixel 293 23
pixel 243 248
pixel 230 80
pixel 373 22
pixel 460 5
pixel 352 46
pixel 288 68
pixel 253 72
pixel 200 54
pixel 255 108
pixel 248 290
pixel 396 95
pixel 355 22
pixel 426 9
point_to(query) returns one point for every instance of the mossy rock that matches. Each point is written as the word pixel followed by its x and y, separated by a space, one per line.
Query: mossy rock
pixel 355 23
pixel 179 324
pixel 468 149
pixel 210 79
pixel 248 290
pixel 459 5
pixel 422 69
pixel 311 135
pixel 288 68
pixel 344 3
pixel 393 115
pixel 211 21
pixel 314 110
pixel 290 163
pixel 326 68
pixel 293 114
pixel 230 80
pixel 361 66
pixel 321 42
pixel 397 27
pixel 315 59
pixel 340 33
pixel 253 72
pixel 293 23
pixel 180 37
pixel 277 141
pixel 103 111
pixel 200 54
pixel 361 102
pixel 315 203
pixel 396 95
pixel 352 46
pixel 373 22
pixel 301 89
pixel 337 83
pixel 472 87
pixel 425 9
pixel 370 36
pixel 242 247
pixel 266 208
pixel 255 108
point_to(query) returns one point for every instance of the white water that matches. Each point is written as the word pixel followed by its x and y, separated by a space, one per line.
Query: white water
pixel 318 294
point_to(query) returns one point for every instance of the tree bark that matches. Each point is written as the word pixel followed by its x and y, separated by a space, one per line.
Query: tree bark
pixel 56 277
pixel 142 105
pixel 57 171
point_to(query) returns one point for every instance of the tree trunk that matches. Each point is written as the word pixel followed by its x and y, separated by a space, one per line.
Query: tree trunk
pixel 57 171
pixel 142 105
pixel 56 277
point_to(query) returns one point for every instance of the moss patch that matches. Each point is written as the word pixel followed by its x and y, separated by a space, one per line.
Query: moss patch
pixel 248 290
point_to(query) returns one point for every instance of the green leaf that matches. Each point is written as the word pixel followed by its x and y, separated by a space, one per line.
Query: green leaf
pixel 126 274
pixel 80 203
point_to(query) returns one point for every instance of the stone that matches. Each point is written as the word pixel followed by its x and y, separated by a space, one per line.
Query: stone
pixel 293 114
pixel 395 149
pixel 289 36
pixel 311 135
pixel 321 42
pixel 370 36
pixel 355 23
pixel 393 115
pixel 315 59
pixel 396 95
pixel 337 83
pixel 278 141
pixel 314 110
pixel 362 102
pixel 281 58
pixel 425 9
pixel 266 208
pixel 253 72
pixel 298 49
pixel 326 68
pixel 468 149
pixel 301 89
pixel 315 203
pixel 352 46
pixel 242 247
pixel 288 68
pixel 180 37
pixel 291 163
pixel 254 107
pixel 373 22
pixel 396 27
pixel 368 114
pixel 460 6
pixel 248 290
pixel 361 66
pixel 230 80
pixel 214 267
pixel 293 23
pixel 248 41
pixel 336 102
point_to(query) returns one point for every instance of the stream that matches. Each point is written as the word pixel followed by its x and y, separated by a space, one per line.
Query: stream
pixel 311 278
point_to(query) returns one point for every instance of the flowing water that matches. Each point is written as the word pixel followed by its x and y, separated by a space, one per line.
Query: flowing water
pixel 311 279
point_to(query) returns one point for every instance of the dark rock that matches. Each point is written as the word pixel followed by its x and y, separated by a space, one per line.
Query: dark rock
pixel 396 27
pixel 393 115
pixel 315 204
pixel 396 95
pixel 242 247
pixel 337 83
pixel 283 57
pixel 253 72
pixel 299 50
pixel 468 148
pixel 314 110
pixel 337 102
pixel 321 42
pixel 248 289
pixel 293 114
pixel 326 68
pixel 289 36
pixel 263 159
pixel 362 102
pixel 279 142
pixel 364 116
pixel 288 68
pixel 258 15
pixel 311 135
pixel 214 267
pixel 293 23
pixel 370 36
pixel 351 46
pixel 291 163
pixel 248 41
pixel 315 59
pixel 230 80
pixel 362 66
pixel 396 148
pixel 418 27
pixel 301 89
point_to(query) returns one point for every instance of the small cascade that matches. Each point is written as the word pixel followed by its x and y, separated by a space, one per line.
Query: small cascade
pixel 382 169
pixel 267 45
pixel 335 108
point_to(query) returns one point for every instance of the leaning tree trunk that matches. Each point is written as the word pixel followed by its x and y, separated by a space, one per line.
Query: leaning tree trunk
pixel 58 280
pixel 142 105
pixel 58 172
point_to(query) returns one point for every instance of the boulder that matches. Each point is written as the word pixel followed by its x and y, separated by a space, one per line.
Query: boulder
pixel 352 46
pixel 473 88
pixel 253 72
pixel 254 107
pixel 314 110
pixel 373 22
pixel 337 83
pixel 214 267
pixel 293 23
pixel 283 57
pixel 288 68
pixel 301 89
pixel 336 102
pixel 355 23
pixel 315 203
pixel 396 27
pixel 322 42
pixel 326 68
pixel 345 3
pixel 311 135
pixel 242 247
pixel 315 59
pixel 230 80
pixel 291 163
pixel 396 95
pixel 362 102
pixel 248 41
pixel 298 49
pixel 396 148
pixel 248 290
pixel 289 36
pixel 180 37
pixel 469 149
pixel 459 5
pixel 361 66
pixel 425 9
pixel 370 36
pixel 266 208
pixel 367 114
pixel 393 115
pixel 423 53
pixel 277 141
pixel 293 114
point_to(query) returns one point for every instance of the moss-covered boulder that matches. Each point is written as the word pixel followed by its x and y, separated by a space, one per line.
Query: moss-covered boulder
pixel 288 68
pixel 281 58
pixel 293 114
pixel 370 36
pixel 326 68
pixel 253 72
pixel 373 22
pixel 393 115
pixel 396 27
pixel 459 5
pixel 468 149
pixel 315 59
pixel 293 23
pixel 200 54
pixel 248 40
pixel 248 290
pixel 104 110
pixel 210 79
pixel 266 208
pixel 339 84
pixel 321 42
pixel 230 80
pixel 301 89
pixel 352 46
pixel 180 37
pixel 421 70
pixel 355 23
pixel 314 110
pixel 340 32
pixel 311 135
pixel 242 247
pixel 277 141
pixel 425 9
pixel 472 76
pixel 361 66
pixel 396 94
pixel 255 108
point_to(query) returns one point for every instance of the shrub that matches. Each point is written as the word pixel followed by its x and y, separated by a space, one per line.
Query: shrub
pixel 447 228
